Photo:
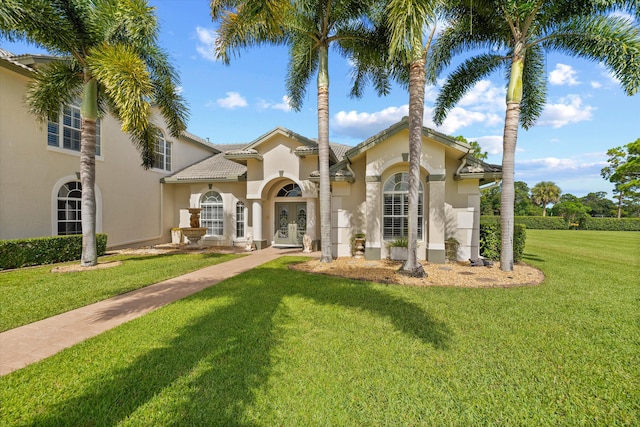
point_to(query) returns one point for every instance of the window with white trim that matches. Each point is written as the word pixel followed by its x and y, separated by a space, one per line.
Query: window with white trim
pixel 65 130
pixel 240 218
pixel 162 153
pixel 395 210
pixel 70 209
pixel 212 214
pixel 290 190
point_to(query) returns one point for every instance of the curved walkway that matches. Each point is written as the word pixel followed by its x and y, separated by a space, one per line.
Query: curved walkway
pixel 27 344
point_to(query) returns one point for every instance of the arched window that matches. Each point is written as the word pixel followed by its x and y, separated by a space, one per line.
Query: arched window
pixel 212 215
pixel 240 220
pixel 70 209
pixel 395 211
pixel 290 190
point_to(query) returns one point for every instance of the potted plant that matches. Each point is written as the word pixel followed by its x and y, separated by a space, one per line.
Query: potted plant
pixel 399 249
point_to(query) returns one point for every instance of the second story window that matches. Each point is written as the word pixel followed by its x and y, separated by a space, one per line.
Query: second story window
pixel 65 130
pixel 162 153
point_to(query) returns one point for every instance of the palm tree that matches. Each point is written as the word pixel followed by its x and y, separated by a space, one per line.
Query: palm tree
pixel 309 28
pixel 516 36
pixel 408 50
pixel 545 192
pixel 107 56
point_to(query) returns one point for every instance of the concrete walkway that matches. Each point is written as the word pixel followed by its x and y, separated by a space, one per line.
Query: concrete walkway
pixel 27 344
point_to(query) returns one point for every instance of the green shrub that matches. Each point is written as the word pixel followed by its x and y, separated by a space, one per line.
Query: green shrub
pixel 490 240
pixel 533 222
pixel 399 242
pixel 45 250
pixel 611 224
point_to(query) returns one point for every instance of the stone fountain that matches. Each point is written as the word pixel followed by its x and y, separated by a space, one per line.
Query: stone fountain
pixel 195 232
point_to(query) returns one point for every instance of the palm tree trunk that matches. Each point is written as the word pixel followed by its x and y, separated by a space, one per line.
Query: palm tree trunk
pixel 417 80
pixel 88 172
pixel 510 137
pixel 88 179
pixel 323 155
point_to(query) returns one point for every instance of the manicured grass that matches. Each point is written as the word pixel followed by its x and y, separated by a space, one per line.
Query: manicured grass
pixel 280 347
pixel 31 294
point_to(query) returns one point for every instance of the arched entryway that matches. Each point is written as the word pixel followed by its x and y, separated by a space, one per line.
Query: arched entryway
pixel 290 223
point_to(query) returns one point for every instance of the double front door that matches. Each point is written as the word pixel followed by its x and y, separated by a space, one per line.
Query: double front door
pixel 291 223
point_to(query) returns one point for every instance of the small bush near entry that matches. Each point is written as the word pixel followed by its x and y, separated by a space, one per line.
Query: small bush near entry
pixel 44 250
pixel 490 241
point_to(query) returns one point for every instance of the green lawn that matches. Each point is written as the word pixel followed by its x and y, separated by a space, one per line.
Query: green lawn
pixel 280 347
pixel 31 294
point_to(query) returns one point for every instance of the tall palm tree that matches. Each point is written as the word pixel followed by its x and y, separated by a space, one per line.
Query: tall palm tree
pixel 516 34
pixel 545 192
pixel 409 50
pixel 309 28
pixel 107 56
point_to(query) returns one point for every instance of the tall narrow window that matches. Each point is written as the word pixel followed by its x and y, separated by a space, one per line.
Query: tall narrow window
pixel 212 214
pixel 395 213
pixel 65 129
pixel 240 218
pixel 70 209
pixel 162 153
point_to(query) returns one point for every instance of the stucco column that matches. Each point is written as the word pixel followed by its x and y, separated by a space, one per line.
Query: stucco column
pixel 436 224
pixel 373 214
pixel 256 218
pixel 311 218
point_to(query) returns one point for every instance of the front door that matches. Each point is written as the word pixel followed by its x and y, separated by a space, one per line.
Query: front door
pixel 291 223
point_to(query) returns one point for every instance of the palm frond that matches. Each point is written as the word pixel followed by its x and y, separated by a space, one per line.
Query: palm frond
pixel 534 87
pixel 54 84
pixel 461 80
pixel 303 63
pixel 612 40
pixel 126 82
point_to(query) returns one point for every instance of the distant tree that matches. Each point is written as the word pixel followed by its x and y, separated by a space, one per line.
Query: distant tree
pixel 490 201
pixel 623 171
pixel 570 207
pixel 545 192
pixel 599 203
pixel 522 199
pixel 475 146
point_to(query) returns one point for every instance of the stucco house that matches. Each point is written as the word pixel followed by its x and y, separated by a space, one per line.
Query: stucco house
pixel 265 190
pixel 268 188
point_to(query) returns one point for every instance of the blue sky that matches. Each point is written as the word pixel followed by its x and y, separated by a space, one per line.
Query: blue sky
pixel 586 113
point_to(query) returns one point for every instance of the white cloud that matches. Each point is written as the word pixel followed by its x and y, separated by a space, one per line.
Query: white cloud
pixel 363 125
pixel 596 85
pixel 232 101
pixel 484 96
pixel 563 75
pixel 568 110
pixel 492 144
pixel 206 43
pixel 285 105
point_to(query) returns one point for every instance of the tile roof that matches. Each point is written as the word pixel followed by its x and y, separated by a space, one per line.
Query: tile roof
pixel 215 167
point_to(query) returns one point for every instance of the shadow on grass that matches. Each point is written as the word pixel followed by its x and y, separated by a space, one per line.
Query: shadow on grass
pixel 208 371
pixel 530 257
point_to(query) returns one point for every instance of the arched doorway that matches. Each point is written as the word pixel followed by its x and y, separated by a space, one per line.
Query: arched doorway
pixel 290 216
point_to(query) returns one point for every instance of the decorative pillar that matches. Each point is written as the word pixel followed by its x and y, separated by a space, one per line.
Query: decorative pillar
pixel 437 220
pixel 373 220
pixel 256 218
pixel 312 231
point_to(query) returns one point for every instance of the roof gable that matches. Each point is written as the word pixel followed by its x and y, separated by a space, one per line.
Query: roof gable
pixel 400 126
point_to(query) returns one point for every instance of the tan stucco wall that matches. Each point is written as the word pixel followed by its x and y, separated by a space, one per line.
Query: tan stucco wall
pixel 130 201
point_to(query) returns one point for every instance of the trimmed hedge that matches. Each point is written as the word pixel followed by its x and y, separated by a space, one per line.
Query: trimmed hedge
pixel 611 224
pixel 533 222
pixel 490 241
pixel 45 250
pixel 559 223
